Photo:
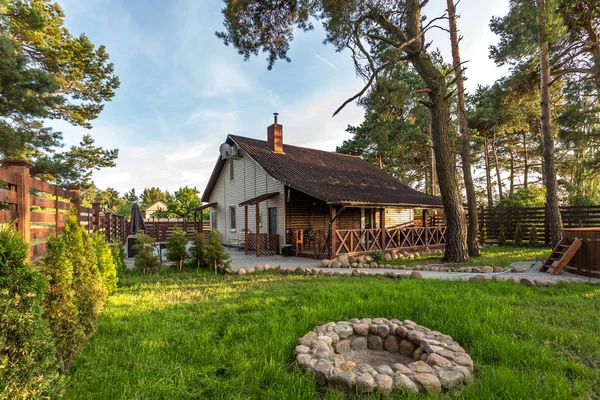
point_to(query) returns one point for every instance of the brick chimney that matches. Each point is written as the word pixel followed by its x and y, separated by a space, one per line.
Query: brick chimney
pixel 275 136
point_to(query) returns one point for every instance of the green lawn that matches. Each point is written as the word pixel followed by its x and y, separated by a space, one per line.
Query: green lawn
pixel 497 256
pixel 193 335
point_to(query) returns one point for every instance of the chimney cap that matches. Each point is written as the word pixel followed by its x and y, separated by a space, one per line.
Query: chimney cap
pixel 275 116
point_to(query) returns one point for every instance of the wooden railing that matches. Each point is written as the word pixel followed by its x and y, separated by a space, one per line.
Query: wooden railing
pixel 269 244
pixel 356 241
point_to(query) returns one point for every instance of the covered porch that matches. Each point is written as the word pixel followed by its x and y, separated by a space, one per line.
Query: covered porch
pixel 354 229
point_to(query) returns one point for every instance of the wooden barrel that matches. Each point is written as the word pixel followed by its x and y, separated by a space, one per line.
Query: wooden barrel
pixel 586 261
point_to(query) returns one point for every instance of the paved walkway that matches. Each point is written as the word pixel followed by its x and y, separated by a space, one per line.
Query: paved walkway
pixel 240 260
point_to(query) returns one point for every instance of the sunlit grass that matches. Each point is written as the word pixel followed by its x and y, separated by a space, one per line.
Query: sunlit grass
pixel 497 256
pixel 193 335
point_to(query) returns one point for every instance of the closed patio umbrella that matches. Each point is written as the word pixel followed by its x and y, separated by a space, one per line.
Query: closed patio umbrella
pixel 137 220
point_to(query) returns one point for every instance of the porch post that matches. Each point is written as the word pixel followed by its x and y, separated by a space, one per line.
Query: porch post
pixel 246 232
pixel 426 225
pixel 257 229
pixel 333 224
pixel 382 227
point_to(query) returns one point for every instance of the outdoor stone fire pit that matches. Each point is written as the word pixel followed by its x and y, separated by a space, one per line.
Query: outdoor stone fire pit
pixel 382 355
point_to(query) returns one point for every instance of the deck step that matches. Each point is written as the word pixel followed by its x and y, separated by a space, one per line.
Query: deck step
pixel 558 260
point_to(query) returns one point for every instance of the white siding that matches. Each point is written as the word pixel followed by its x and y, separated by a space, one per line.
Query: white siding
pixel 249 181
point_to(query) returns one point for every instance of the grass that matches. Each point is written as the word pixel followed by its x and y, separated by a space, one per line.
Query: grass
pixel 496 256
pixel 193 335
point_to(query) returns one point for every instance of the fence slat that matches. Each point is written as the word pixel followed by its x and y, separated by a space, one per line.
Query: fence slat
pixel 8 196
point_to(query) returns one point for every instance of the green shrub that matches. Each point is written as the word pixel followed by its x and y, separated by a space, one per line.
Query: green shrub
pixel 176 243
pixel 118 253
pixel 28 364
pixel 534 238
pixel 483 235
pixel 377 256
pixel 106 262
pixel 214 252
pixel 197 251
pixel 502 236
pixel 60 307
pixel 90 293
pixel 518 235
pixel 145 260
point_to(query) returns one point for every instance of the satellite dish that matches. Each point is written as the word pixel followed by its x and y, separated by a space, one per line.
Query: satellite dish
pixel 226 151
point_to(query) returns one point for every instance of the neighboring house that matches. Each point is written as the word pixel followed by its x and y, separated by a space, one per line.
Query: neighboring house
pixel 305 196
pixel 159 205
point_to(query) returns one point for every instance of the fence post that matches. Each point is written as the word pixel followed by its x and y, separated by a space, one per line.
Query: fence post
pixel 108 226
pixel 95 217
pixel 382 227
pixel 426 225
pixel 76 200
pixel 21 169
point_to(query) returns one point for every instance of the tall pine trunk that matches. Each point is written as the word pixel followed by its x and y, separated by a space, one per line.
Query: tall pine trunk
pixel 497 166
pixel 465 153
pixel 525 160
pixel 488 172
pixel 554 219
pixel 456 232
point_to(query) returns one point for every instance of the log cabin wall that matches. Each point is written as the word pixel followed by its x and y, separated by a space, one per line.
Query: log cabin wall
pixel 303 211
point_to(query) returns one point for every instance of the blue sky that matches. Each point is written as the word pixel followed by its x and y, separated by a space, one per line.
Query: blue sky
pixel 182 91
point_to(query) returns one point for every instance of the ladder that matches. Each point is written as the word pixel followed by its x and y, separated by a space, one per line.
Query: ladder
pixel 560 256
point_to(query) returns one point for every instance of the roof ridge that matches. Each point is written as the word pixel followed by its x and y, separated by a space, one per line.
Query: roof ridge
pixel 299 147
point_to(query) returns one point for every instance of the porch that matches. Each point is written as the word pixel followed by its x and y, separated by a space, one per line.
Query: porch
pixel 316 244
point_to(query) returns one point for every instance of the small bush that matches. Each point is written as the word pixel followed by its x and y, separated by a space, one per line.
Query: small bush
pixel 518 235
pixel 90 292
pixel 176 243
pixel 377 256
pixel 534 238
pixel 214 252
pixel 106 262
pixel 502 236
pixel 118 253
pixel 61 309
pixel 28 364
pixel 483 235
pixel 145 260
pixel 197 251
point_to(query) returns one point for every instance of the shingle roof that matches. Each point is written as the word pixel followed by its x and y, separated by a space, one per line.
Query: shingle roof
pixel 331 177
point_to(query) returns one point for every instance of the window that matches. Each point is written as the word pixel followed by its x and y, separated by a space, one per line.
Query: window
pixel 232 217
pixel 368 218
pixel 213 220
pixel 231 169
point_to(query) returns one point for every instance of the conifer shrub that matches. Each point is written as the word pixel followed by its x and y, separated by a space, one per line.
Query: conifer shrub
pixel 145 260
pixel 118 252
pixel 90 293
pixel 106 262
pixel 518 235
pixel 534 238
pixel 176 246
pixel 214 253
pixel 59 302
pixel 197 251
pixel 501 236
pixel 28 364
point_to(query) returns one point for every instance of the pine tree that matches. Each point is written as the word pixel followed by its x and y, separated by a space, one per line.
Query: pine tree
pixel 61 309
pixel 533 236
pixel 214 252
pixel 28 365
pixel 176 246
pixel 90 293
pixel 518 235
pixel 197 250
pixel 106 262
pixel 145 260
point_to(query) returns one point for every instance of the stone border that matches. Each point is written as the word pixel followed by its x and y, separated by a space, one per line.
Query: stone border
pixel 415 274
pixel 439 362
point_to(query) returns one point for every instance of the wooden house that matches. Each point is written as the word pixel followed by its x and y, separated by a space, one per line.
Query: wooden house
pixel 319 202
pixel 159 205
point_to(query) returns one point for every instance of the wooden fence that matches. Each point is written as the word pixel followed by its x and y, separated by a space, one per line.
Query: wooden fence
pixel 40 209
pixel 160 230
pixel 572 216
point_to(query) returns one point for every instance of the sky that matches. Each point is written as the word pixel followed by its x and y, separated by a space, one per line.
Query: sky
pixel 183 91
